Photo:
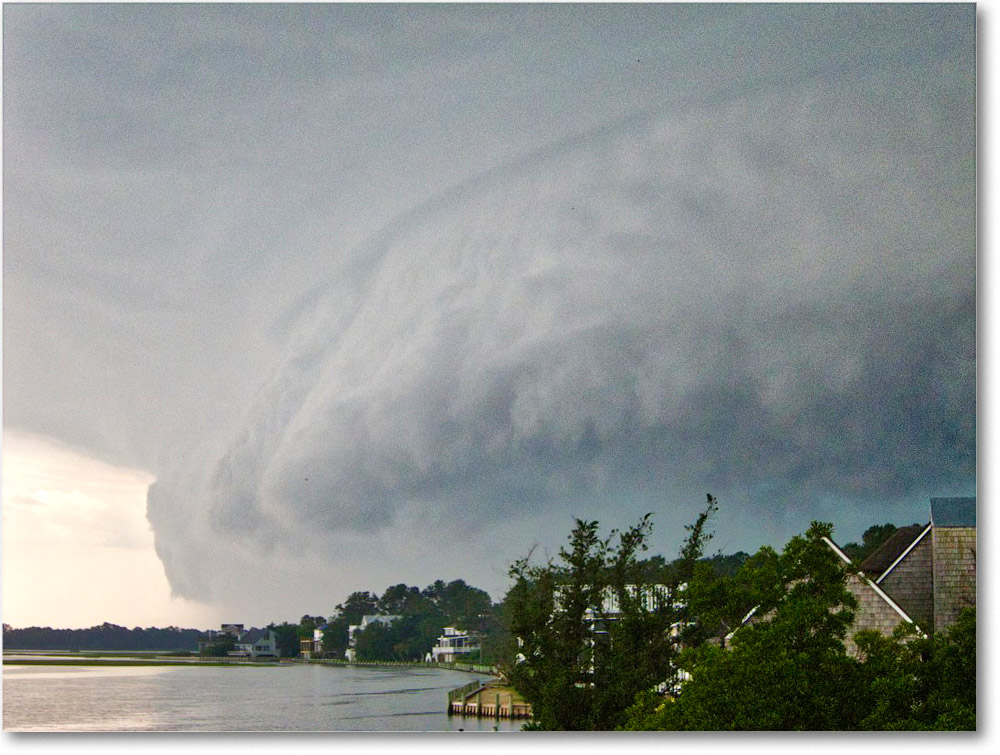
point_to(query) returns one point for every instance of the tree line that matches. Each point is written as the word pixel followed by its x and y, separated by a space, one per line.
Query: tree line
pixel 422 616
pixel 102 637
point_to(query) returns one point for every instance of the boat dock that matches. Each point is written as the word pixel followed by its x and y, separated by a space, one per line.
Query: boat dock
pixel 489 699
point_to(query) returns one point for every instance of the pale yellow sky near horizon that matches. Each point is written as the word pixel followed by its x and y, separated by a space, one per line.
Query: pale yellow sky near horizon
pixel 77 546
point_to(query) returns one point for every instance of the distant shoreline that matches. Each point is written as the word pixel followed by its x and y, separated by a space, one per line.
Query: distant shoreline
pixel 140 658
pixel 124 662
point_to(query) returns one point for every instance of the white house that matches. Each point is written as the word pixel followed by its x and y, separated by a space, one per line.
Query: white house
pixel 650 597
pixel 453 645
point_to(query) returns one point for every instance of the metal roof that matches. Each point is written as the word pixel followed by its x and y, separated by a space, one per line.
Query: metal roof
pixel 953 512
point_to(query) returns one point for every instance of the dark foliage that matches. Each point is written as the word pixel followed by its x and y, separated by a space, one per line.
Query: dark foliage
pixel 573 656
pixel 788 668
pixel 103 637
pixel 423 616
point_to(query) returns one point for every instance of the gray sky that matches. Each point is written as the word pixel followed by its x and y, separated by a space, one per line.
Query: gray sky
pixel 383 294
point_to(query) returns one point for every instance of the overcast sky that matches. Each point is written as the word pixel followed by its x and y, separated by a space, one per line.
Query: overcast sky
pixel 377 294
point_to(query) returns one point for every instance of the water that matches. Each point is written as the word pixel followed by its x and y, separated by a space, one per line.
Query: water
pixel 289 697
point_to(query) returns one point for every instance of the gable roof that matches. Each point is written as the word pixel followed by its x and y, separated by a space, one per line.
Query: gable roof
pixel 863 578
pixel 889 552
pixel 953 512
pixel 254 636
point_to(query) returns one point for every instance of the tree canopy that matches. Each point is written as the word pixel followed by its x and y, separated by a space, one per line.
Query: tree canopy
pixel 787 668
pixel 590 631
pixel 423 616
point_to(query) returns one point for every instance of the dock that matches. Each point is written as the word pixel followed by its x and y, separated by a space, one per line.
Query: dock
pixel 490 699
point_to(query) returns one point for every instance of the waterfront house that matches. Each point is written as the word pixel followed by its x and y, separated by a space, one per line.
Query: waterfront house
pixel 454 645
pixel 256 643
pixel 312 647
pixel 252 643
pixel 226 633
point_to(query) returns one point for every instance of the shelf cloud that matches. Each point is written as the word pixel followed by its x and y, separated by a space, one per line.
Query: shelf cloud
pixel 757 282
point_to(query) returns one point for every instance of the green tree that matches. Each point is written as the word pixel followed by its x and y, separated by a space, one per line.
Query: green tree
pixel 872 538
pixel 788 670
pixel 357 605
pixel 307 624
pixel 424 615
pixel 287 638
pixel 919 683
pixel 348 613
pixel 402 600
pixel 461 605
pixel 377 642
pixel 220 648
pixel 577 661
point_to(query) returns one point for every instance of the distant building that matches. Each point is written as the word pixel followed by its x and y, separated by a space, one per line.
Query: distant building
pixel 227 632
pixel 252 643
pixel 454 645
pixel 650 597
pixel 257 643
pixel 312 647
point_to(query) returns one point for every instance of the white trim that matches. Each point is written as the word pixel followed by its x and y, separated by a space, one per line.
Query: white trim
pixel 846 559
pixel 904 554
pixel 878 590
pixel 881 593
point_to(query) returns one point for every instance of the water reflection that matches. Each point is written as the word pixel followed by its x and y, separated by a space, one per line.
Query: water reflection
pixel 293 697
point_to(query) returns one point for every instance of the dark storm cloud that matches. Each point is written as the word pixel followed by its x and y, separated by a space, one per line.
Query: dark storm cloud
pixel 395 272
pixel 707 298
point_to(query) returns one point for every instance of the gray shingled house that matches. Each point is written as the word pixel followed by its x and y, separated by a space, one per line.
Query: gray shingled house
pixel 930 573
pixel 922 575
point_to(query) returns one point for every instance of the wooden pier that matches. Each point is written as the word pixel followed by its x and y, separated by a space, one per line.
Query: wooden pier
pixel 487 700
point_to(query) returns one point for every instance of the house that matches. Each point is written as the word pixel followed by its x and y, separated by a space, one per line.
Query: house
pixel 352 631
pixel 227 632
pixel 921 575
pixel 256 643
pixel 876 609
pixel 252 643
pixel 931 574
pixel 313 646
pixel 453 645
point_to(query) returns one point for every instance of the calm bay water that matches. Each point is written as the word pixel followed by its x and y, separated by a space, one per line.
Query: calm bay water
pixel 291 697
